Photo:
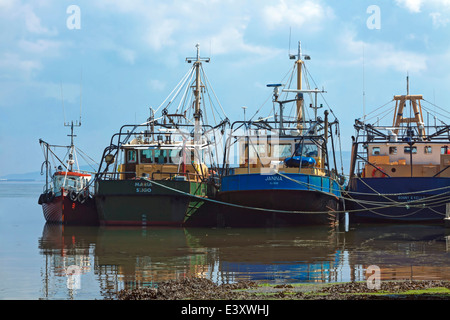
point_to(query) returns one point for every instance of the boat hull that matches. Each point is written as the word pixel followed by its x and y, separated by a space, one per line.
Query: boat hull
pixel 404 199
pixel 144 203
pixel 270 200
pixel 303 207
pixel 62 210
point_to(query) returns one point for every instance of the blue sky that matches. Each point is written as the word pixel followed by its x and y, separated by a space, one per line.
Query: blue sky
pixel 128 56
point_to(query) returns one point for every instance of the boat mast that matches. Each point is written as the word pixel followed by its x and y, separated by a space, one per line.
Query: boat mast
pixel 400 104
pixel 300 112
pixel 407 85
pixel 197 89
pixel 197 99
pixel 300 91
pixel 70 162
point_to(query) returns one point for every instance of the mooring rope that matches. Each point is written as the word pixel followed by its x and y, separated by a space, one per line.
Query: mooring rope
pixel 420 206
pixel 314 187
pixel 415 203
pixel 233 204
pixel 410 204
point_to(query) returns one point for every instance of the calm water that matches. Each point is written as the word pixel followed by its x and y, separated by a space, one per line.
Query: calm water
pixel 35 257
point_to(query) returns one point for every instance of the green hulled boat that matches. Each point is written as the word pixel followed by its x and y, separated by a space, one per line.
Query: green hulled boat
pixel 145 202
pixel 159 172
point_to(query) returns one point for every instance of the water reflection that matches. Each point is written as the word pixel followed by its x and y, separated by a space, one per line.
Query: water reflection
pixel 108 259
pixel 416 252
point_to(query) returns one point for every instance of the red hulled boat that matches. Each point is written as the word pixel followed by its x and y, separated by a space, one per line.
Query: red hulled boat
pixel 66 198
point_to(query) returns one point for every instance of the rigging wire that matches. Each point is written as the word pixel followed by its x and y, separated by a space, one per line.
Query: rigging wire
pixel 435 112
pixel 380 107
pixel 185 94
pixel 290 72
pixel 208 85
pixel 177 88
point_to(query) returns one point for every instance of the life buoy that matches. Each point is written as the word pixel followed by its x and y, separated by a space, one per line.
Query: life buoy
pixel 42 198
pixel 72 195
pixel 81 198
pixel 50 196
pixel 379 169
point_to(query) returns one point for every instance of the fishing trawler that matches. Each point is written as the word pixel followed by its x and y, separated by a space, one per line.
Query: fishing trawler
pixel 66 198
pixel 284 174
pixel 399 172
pixel 159 172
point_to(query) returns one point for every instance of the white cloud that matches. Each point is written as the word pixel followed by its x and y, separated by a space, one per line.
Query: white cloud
pixel 307 14
pixel 399 60
pixel 23 16
pixel 13 66
pixel 439 20
pixel 383 55
pixel 33 23
pixel 231 39
pixel 7 4
pixel 220 25
pixel 26 41
pixel 40 46
pixel 157 85
pixel 437 3
pixel 61 92
pixel 416 6
pixel 411 5
pixel 160 21
pixel 127 55
pixel 161 33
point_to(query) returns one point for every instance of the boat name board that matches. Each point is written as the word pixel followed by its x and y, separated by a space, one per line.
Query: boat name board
pixel 143 187
pixel 273 179
pixel 409 198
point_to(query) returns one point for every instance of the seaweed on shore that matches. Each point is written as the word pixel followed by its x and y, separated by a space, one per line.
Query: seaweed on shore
pixel 204 289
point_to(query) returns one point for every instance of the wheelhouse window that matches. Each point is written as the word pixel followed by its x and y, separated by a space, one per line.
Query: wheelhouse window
pixel 392 150
pixel 376 151
pixel 280 151
pixel 409 150
pixel 131 156
pixel 256 151
pixel 59 181
pixel 427 149
pixel 445 150
pixel 71 182
pixel 160 156
pixel 306 149
pixel 147 156
pixel 175 155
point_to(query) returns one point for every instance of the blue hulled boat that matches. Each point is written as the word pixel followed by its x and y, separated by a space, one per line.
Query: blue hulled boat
pixel 282 172
pixel 399 172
